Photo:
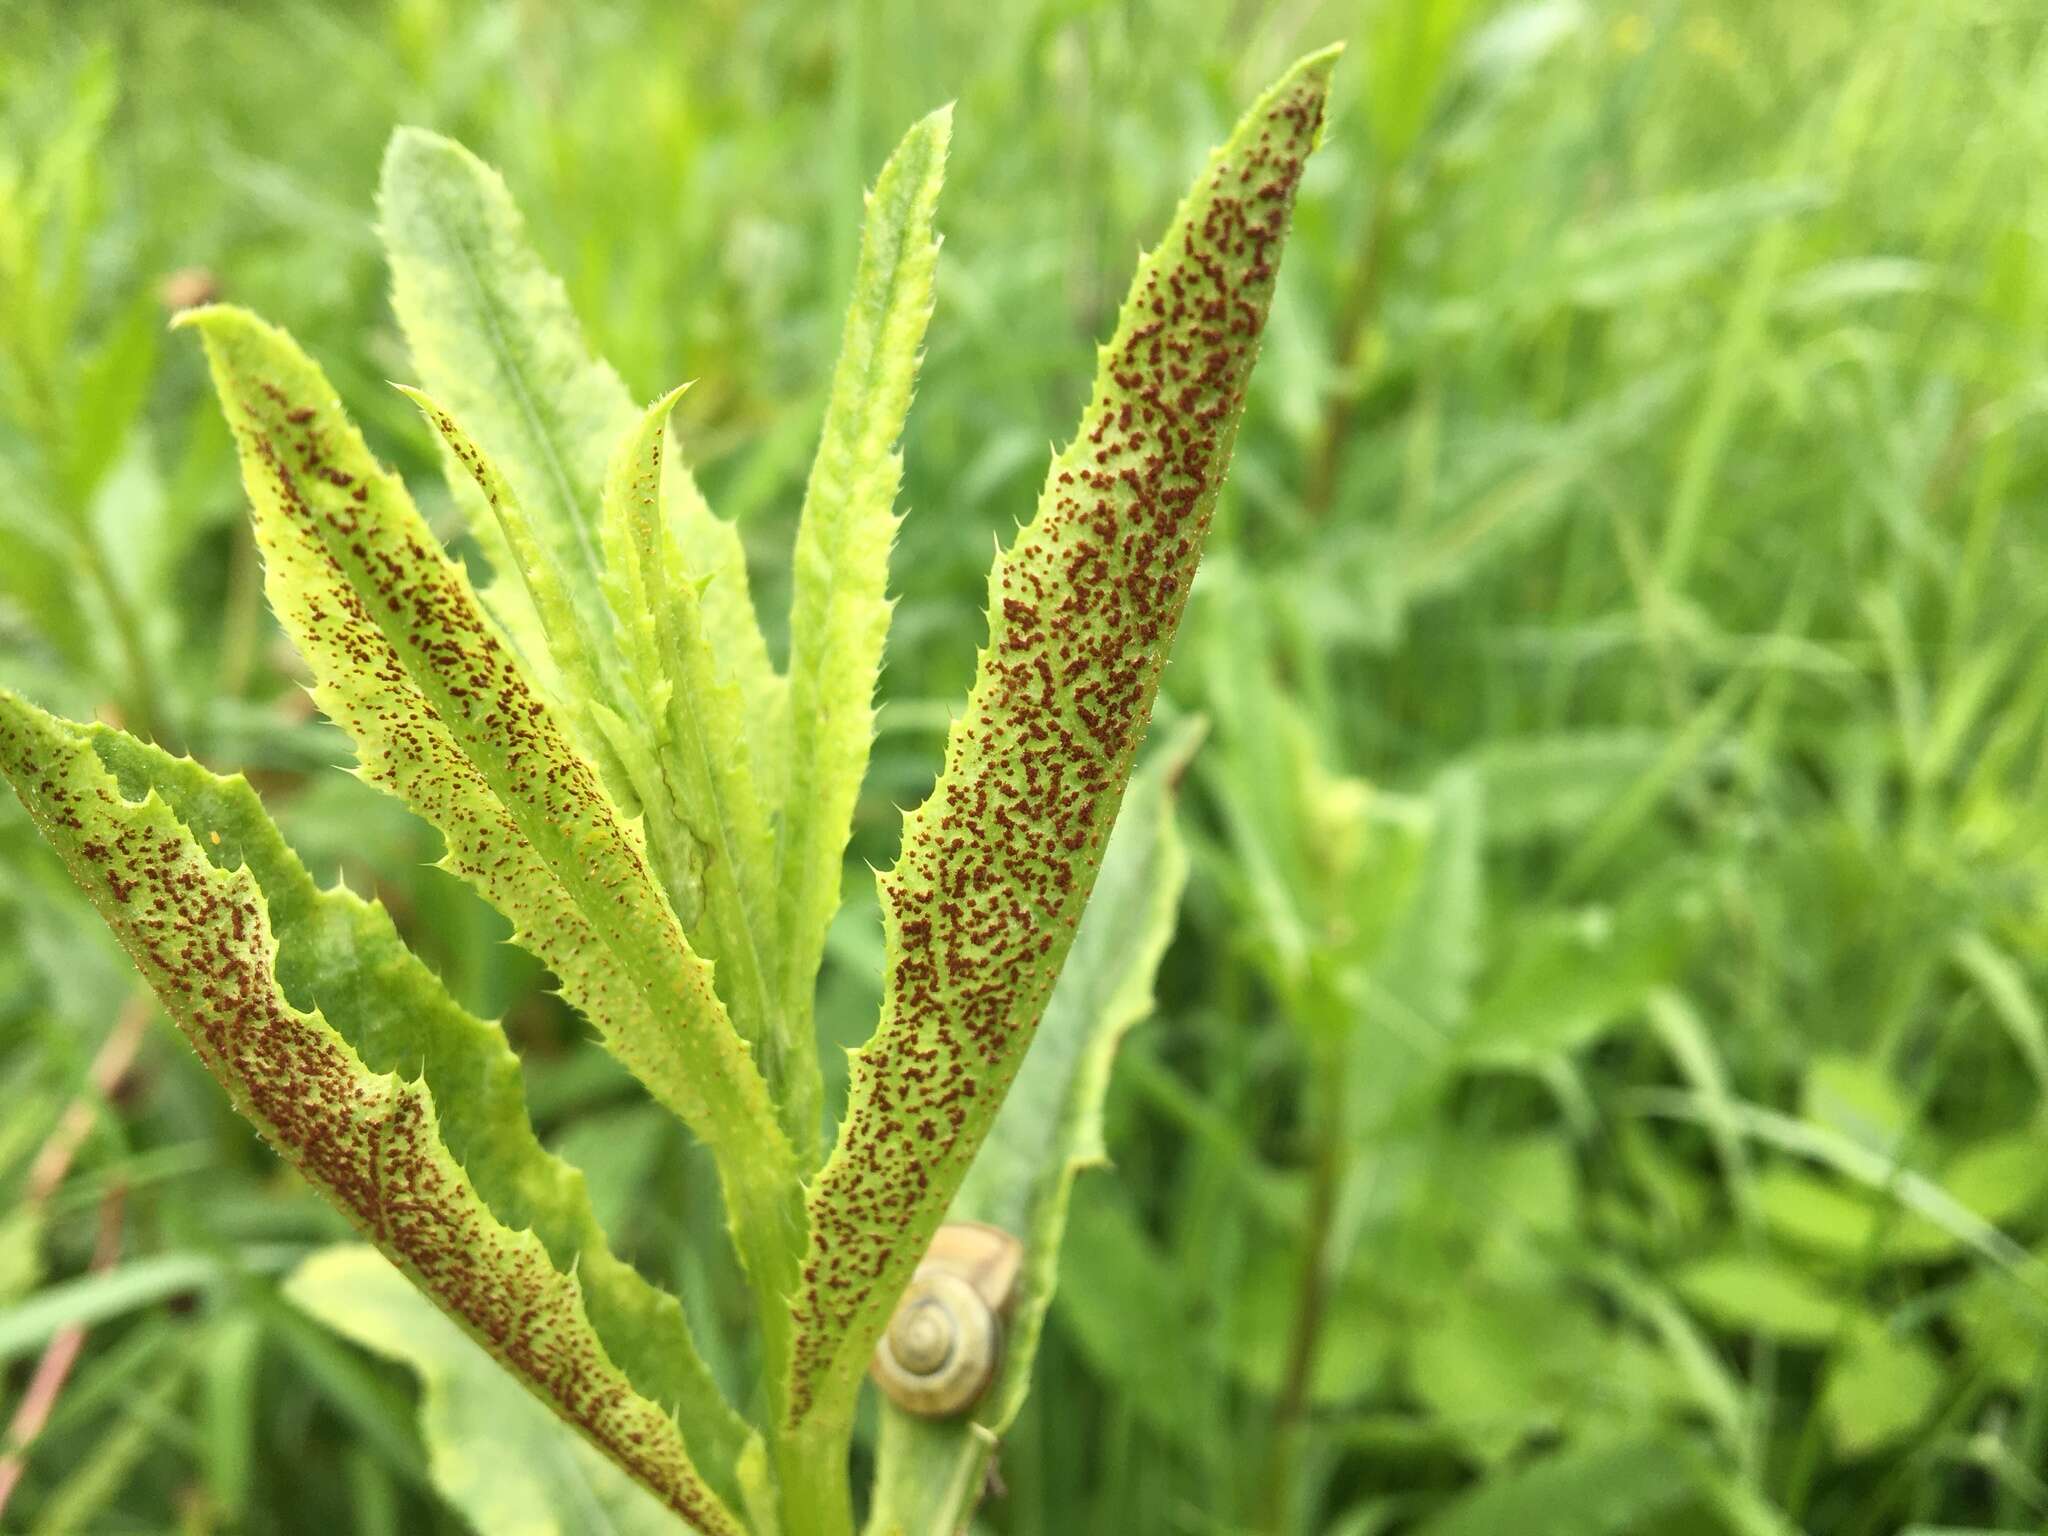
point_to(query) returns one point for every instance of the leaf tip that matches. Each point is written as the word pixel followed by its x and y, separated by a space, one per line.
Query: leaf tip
pixel 423 401
pixel 201 317
pixel 411 145
pixel 939 124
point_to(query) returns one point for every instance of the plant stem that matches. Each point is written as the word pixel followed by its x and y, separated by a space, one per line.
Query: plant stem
pixel 139 697
pixel 1312 1297
pixel 116 1054
pixel 817 1496
pixel 1361 301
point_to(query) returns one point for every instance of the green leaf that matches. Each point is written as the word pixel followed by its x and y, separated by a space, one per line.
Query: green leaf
pixel 500 349
pixel 1599 1490
pixel 1294 830
pixel 1408 65
pixel 2001 1180
pixel 1435 952
pixel 999 860
pixel 494 338
pixel 585 673
pixel 1353 1352
pixel 2004 987
pixel 670 724
pixel 1127 1309
pixel 1754 1293
pixel 110 391
pixel 559 638
pixel 839 607
pixel 21 1252
pixel 499 1458
pixel 93 1298
pixel 1878 1389
pixel 2004 1328
pixel 1049 1130
pixel 1050 1127
pixel 1547 786
pixel 226 928
pixel 444 716
pixel 1504 1358
pixel 1856 1097
pixel 714 556
pixel 1817 1212
pixel 1571 976
pixel 341 955
pixel 707 786
pixel 1878 1171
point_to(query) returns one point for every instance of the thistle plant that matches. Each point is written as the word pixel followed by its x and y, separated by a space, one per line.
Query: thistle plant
pixel 614 762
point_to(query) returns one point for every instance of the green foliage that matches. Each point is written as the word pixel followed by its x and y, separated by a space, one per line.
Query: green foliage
pixel 1049 1131
pixel 586 757
pixel 222 922
pixel 1622 618
pixel 443 715
pixel 839 609
pixel 998 861
pixel 496 1455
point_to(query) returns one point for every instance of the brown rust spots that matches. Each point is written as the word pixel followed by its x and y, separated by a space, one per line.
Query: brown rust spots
pixel 444 716
pixel 998 862
pixel 200 935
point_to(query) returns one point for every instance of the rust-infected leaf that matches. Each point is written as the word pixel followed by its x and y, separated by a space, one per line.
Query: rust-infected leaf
pixel 999 860
pixel 196 922
pixel 444 716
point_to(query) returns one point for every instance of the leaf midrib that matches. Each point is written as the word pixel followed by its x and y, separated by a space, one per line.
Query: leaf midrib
pixel 870 368
pixel 518 386
pixel 729 872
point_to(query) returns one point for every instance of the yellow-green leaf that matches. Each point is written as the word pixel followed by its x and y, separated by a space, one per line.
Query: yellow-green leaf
pixel 495 1455
pixel 444 716
pixel 707 788
pixel 226 927
pixel 839 605
pixel 927 1474
pixel 998 862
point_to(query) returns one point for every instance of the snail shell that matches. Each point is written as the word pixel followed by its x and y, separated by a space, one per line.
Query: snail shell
pixel 945 1341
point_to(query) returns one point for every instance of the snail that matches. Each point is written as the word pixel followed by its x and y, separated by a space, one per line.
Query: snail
pixel 944 1343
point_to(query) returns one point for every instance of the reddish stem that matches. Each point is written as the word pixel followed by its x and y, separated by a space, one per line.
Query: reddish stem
pixel 52 1161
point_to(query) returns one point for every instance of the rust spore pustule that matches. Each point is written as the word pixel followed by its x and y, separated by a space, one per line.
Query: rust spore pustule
pixel 443 716
pixel 998 862
pixel 197 927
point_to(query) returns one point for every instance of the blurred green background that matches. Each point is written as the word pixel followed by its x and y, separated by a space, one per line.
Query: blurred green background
pixel 1598 1085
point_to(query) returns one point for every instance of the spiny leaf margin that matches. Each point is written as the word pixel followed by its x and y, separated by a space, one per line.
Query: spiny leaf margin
pixel 501 1461
pixel 839 605
pixel 444 716
pixel 341 956
pixel 929 1473
pixel 998 862
pixel 699 723
pixel 200 932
